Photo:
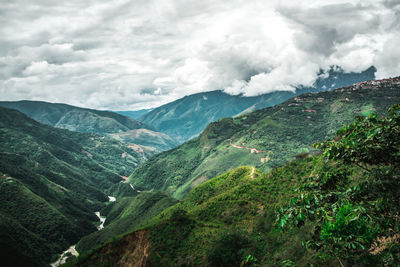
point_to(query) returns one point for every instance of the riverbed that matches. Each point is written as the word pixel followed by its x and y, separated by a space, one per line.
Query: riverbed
pixel 71 250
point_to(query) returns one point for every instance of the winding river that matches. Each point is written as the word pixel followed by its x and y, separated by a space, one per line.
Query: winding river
pixel 71 250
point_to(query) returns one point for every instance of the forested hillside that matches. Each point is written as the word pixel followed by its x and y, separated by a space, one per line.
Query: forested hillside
pixel 265 138
pixel 52 181
pixel 343 202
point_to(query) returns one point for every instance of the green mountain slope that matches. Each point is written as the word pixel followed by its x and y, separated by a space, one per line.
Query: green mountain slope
pixel 147 140
pixel 75 118
pixel 125 215
pixel 234 211
pixel 265 138
pixel 39 226
pixel 187 117
pixel 52 180
pixel 345 198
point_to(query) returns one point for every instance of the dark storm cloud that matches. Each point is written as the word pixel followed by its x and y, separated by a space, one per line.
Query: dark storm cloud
pixel 132 54
pixel 322 28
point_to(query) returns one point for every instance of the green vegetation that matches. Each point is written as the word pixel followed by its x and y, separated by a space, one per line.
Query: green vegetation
pixel 52 180
pixel 126 215
pixel 233 206
pixel 105 123
pixel 30 224
pixel 344 202
pixel 150 141
pixel 75 118
pixel 279 133
pixel 354 212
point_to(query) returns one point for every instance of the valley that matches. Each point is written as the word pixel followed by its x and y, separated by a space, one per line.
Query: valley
pixel 53 180
pixel 200 133
pixel 100 192
pixel 233 219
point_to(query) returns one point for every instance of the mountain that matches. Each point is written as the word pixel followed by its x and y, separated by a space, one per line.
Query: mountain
pixel 51 183
pixel 264 138
pixel 187 117
pixel 136 114
pixel 135 133
pixel 342 201
pixel 75 118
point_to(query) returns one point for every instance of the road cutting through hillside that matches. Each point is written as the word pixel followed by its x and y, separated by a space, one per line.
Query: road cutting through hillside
pixel 252 150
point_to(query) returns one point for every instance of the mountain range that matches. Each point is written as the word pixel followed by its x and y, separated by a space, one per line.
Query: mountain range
pixel 231 219
pixel 74 118
pixel 187 117
pixel 264 138
pixel 63 116
pixel 212 201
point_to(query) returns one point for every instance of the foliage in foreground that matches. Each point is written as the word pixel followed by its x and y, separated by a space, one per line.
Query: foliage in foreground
pixel 355 215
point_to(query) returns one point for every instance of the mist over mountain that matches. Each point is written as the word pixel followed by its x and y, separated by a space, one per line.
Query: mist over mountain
pixel 187 117
pixel 265 138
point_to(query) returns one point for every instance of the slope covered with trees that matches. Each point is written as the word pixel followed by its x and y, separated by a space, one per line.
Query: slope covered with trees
pixel 265 138
pixel 52 180
pixel 343 202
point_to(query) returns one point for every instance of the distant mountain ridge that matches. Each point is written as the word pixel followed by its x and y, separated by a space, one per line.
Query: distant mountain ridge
pixel 75 118
pixel 85 120
pixel 187 117
pixel 136 114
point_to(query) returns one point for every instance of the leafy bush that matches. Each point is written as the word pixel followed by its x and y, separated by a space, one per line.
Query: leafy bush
pixel 351 214
pixel 229 250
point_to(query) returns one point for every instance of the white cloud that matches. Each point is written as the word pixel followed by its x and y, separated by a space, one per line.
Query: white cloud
pixel 134 54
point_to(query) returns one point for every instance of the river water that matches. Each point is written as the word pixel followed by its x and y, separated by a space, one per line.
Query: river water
pixel 64 256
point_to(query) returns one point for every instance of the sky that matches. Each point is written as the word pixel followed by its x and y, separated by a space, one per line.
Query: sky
pixel 128 55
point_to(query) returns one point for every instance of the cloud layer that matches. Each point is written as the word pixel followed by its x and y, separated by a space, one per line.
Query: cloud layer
pixel 134 54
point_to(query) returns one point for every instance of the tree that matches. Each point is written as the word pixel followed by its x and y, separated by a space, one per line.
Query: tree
pixel 353 193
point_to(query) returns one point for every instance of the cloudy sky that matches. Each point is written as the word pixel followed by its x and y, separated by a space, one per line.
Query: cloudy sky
pixel 132 54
